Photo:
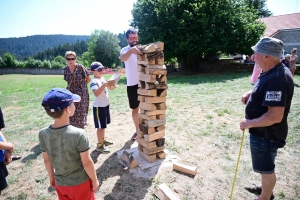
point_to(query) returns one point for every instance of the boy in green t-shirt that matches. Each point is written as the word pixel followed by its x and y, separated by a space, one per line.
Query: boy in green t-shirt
pixel 66 149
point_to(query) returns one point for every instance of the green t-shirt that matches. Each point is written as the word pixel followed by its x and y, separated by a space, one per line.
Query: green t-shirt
pixel 64 146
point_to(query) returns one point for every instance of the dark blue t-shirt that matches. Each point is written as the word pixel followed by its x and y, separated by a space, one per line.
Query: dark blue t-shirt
pixel 273 88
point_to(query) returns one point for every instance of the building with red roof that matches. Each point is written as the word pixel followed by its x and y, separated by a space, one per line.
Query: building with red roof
pixel 286 28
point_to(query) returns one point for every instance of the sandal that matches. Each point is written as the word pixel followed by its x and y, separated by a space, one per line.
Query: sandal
pixel 16 157
pixel 133 138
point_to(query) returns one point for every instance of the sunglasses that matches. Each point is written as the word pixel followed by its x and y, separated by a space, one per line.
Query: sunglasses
pixel 133 38
pixel 70 59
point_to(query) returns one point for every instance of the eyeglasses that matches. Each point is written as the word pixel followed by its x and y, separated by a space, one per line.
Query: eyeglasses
pixel 133 38
pixel 68 59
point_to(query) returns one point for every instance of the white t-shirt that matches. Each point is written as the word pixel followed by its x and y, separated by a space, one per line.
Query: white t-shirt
pixel 131 67
pixel 102 100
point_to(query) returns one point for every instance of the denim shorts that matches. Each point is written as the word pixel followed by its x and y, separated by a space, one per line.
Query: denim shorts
pixel 263 153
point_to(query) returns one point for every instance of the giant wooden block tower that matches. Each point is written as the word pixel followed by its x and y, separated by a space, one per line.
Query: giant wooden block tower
pixel 152 96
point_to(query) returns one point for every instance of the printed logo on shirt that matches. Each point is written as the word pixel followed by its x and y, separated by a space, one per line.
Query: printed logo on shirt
pixel 273 96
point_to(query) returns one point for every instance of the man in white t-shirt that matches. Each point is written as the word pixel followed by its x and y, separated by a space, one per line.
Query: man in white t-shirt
pixel 128 55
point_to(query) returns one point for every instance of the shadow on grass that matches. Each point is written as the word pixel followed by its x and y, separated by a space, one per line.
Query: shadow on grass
pixel 126 187
pixel 36 152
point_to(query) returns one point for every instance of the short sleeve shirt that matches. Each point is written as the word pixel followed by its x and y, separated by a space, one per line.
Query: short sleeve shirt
pixel 131 67
pixel 102 100
pixel 273 88
pixel 64 146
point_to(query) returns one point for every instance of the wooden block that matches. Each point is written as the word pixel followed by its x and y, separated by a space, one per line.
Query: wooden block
pixel 161 106
pixel 159 46
pixel 161 93
pixel 147 78
pixel 141 98
pixel 141 121
pixel 152 93
pixel 155 122
pixel 140 147
pixel 161 78
pixel 156 69
pixel 155 99
pixel 160 142
pixel 160 128
pixel 146 129
pixel 149 158
pixel 140 115
pixel 147 106
pixel 142 69
pixel 151 62
pixel 150 86
pixel 142 57
pixel 148 145
pixel 161 86
pixel 160 116
pixel 155 112
pixel 127 160
pixel 154 136
pixel 154 150
pixel 161 155
pixel 185 168
pixel 160 61
pixel 149 48
pixel 140 133
pixel 163 192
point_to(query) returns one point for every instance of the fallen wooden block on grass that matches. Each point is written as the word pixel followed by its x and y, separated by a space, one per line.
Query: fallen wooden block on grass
pixel 185 168
pixel 163 192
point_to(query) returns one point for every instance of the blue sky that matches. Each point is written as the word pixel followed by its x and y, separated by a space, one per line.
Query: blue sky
pixel 20 18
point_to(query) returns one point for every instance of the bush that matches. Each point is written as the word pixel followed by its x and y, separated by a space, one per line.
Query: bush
pixel 31 63
pixel 46 64
pixel 57 65
pixel 20 64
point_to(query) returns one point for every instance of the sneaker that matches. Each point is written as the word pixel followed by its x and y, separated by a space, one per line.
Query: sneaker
pixel 133 138
pixel 106 142
pixel 256 190
pixel 102 149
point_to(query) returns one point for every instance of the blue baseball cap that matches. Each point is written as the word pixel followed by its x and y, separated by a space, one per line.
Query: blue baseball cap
pixel 59 98
pixel 96 66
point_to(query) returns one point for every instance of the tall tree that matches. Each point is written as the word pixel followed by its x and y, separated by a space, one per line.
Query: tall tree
pixel 260 6
pixel 197 29
pixel 104 47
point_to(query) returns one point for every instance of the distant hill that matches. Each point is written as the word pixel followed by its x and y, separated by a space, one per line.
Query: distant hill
pixel 31 45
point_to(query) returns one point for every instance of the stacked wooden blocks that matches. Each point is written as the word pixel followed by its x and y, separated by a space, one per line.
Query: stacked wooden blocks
pixel 152 96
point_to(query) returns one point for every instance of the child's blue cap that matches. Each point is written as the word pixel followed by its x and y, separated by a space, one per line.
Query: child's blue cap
pixel 59 98
pixel 96 66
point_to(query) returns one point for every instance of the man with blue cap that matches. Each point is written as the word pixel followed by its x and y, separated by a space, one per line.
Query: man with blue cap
pixel 266 112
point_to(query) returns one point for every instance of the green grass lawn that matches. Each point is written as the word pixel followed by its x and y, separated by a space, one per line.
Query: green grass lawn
pixel 203 115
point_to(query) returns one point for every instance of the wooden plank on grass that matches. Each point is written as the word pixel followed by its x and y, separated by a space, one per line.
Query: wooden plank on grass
pixel 155 99
pixel 154 136
pixel 185 168
pixel 163 192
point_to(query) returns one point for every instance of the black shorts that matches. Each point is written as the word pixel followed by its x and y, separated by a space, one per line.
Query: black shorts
pixel 133 96
pixel 2 125
pixel 101 116
pixel 3 174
